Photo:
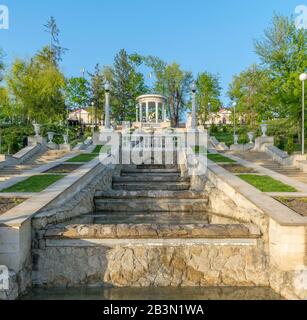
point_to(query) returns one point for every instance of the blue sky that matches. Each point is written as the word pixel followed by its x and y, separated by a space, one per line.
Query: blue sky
pixel 212 35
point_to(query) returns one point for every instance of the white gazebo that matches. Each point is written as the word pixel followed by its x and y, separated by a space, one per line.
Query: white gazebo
pixel 151 108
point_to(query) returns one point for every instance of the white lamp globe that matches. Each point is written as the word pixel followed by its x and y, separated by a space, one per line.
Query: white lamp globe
pixel 107 86
pixel 193 86
pixel 303 76
pixel 234 104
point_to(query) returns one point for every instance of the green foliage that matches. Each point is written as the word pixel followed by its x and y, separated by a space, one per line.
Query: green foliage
pixel 34 183
pixel 37 87
pixel 207 97
pixel 172 82
pixel 97 92
pixel 266 183
pixel 1 63
pixel 12 137
pixel 77 92
pixel 224 133
pixel 283 51
pixel 290 145
pixel 251 89
pixel 127 85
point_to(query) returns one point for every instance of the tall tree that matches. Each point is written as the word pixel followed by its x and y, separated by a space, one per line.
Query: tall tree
pixel 172 82
pixel 97 93
pixel 55 47
pixel 283 51
pixel 1 64
pixel 37 86
pixel 208 95
pixel 77 93
pixel 127 85
pixel 252 90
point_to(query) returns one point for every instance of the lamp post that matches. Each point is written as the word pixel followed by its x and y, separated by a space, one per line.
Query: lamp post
pixel 193 89
pixel 93 116
pixel 303 78
pixel 107 106
pixel 234 105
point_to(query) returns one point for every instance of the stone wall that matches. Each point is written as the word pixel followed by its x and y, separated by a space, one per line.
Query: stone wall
pixel 208 264
pixel 284 240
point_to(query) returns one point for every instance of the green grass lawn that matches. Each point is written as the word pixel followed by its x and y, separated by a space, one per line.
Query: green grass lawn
pixel 85 157
pixel 200 150
pixel 101 149
pixel 266 183
pixel 97 149
pixel 34 183
pixel 219 158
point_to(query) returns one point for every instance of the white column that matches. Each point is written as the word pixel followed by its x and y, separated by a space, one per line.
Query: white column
pixel 107 111
pixel 141 112
pixel 163 113
pixel 157 112
pixel 194 110
pixel 147 111
pixel 137 113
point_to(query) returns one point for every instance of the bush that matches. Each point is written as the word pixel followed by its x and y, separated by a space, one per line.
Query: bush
pixel 290 145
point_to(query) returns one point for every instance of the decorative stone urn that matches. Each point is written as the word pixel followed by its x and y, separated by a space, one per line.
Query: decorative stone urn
pixel 264 128
pixel 236 138
pixel 50 136
pixel 250 136
pixel 65 137
pixel 37 129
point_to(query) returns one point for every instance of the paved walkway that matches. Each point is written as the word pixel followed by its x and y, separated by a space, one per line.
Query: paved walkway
pixel 264 160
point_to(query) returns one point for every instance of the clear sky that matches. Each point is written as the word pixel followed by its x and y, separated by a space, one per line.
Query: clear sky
pixel 213 35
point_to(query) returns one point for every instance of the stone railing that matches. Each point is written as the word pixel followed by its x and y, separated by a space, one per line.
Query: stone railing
pixel 21 156
pixel 71 196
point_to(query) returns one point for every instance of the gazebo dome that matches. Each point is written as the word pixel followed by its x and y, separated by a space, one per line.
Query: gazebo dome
pixel 154 104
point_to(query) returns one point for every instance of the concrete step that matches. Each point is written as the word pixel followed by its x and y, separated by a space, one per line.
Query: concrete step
pixel 146 178
pixel 152 231
pixel 151 185
pixel 151 204
pixel 156 166
pixel 153 194
pixel 149 171
pixel 104 217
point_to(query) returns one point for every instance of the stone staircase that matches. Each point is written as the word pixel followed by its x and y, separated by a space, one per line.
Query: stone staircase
pixel 150 188
pixel 150 229
pixel 264 160
pixel 36 161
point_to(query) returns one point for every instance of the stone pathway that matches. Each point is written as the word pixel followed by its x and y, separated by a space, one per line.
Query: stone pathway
pixel 264 160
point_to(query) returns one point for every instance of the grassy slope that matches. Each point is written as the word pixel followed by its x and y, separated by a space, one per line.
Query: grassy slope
pixel 34 183
pixel 266 183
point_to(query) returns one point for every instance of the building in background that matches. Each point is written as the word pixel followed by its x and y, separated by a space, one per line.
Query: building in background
pixel 81 116
pixel 223 116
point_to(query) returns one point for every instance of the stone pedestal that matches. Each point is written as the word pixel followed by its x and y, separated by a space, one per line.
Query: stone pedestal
pixel 36 139
pixel 262 142
pixel 52 146
pixel 65 146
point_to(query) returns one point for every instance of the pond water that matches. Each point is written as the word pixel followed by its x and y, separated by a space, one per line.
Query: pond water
pixel 190 293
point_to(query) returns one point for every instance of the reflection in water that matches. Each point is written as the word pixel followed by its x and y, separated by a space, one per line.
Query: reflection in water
pixel 211 293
